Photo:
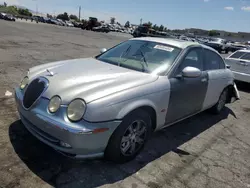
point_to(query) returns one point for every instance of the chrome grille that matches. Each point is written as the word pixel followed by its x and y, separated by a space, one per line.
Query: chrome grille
pixel 33 91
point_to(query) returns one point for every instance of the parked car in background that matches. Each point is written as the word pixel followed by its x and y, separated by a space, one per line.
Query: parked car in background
pixel 101 29
pixel 182 37
pixel 218 44
pixel 40 19
pixel 55 22
pixel 7 17
pixel 141 31
pixel 2 15
pixel 239 63
pixel 69 24
pixel 236 46
pixel 61 22
pixel 77 24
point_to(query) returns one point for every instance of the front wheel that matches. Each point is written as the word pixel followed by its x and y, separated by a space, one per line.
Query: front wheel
pixel 217 108
pixel 129 138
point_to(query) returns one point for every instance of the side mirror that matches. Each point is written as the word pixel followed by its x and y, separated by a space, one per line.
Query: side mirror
pixel 103 50
pixel 228 66
pixel 191 72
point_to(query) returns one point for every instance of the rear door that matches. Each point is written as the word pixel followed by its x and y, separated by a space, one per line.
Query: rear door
pixel 239 62
pixel 218 77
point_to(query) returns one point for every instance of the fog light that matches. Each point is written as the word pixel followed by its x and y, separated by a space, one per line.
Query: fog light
pixel 64 144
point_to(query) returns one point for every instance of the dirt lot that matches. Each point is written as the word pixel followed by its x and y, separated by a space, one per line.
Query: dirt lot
pixel 203 151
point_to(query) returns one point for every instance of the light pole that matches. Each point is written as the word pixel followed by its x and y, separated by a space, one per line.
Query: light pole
pixel 80 12
pixel 36 6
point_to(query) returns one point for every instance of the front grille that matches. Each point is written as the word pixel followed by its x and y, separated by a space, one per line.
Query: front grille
pixel 34 91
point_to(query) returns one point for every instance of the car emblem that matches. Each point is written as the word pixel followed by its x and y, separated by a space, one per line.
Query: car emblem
pixel 50 72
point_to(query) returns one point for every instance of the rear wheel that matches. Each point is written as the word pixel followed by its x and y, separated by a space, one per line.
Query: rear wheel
pixel 218 107
pixel 129 138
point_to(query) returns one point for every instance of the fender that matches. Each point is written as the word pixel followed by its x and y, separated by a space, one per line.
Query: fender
pixel 134 105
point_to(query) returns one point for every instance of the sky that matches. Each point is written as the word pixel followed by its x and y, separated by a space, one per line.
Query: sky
pixel 229 15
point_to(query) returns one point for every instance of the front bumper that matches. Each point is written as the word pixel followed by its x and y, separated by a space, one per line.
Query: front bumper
pixel 241 76
pixel 55 128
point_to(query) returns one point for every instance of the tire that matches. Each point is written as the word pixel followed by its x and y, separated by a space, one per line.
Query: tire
pixel 218 107
pixel 124 139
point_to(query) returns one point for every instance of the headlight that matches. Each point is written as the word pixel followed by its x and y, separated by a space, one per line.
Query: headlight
pixel 76 110
pixel 54 104
pixel 24 82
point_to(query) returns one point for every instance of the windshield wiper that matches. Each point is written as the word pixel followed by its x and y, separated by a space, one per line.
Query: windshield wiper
pixel 124 53
pixel 144 60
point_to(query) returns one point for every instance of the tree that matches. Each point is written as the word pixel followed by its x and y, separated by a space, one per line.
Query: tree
pixel 127 24
pixel 63 16
pixel 161 28
pixel 148 24
pixel 5 4
pixel 24 12
pixel 165 29
pixel 212 33
pixel 155 27
pixel 112 20
pixel 73 17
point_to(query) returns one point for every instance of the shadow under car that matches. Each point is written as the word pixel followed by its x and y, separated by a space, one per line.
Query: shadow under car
pixel 57 170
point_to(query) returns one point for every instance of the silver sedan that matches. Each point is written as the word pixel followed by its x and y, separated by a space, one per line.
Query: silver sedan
pixel 109 105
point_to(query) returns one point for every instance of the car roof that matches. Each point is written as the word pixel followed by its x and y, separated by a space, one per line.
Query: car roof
pixel 174 42
pixel 243 51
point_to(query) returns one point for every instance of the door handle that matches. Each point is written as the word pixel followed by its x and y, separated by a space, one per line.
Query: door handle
pixel 203 80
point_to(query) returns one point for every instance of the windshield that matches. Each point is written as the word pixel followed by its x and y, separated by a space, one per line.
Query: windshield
pixel 144 56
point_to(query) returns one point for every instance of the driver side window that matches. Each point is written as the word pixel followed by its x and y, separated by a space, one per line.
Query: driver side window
pixel 192 59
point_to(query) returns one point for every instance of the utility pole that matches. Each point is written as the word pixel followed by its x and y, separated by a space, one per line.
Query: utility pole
pixel 36 6
pixel 80 13
pixel 141 21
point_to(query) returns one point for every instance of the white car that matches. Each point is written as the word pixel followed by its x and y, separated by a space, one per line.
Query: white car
pixel 239 63
pixel 69 24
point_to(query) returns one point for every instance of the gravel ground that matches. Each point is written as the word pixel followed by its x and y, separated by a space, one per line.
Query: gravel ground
pixel 202 151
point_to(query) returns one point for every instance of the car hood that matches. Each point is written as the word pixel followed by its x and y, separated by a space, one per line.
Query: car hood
pixel 89 79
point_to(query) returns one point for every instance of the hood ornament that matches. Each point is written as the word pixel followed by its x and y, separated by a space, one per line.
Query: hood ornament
pixel 50 72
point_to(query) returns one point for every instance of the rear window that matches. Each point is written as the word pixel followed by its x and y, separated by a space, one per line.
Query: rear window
pixel 246 56
pixel 237 55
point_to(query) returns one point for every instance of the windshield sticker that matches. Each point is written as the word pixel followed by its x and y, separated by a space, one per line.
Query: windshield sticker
pixel 165 48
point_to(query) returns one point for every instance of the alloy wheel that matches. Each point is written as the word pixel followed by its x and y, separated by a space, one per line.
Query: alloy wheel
pixel 133 138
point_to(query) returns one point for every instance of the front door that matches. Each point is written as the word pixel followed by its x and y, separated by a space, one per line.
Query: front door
pixel 187 94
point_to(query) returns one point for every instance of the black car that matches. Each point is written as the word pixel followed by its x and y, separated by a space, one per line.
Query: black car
pixel 140 31
pixel 7 17
pixel 218 44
